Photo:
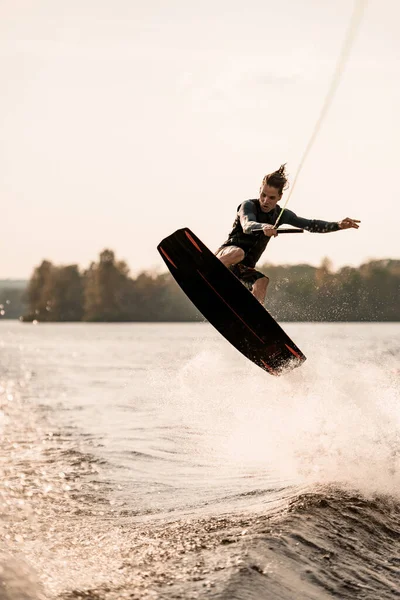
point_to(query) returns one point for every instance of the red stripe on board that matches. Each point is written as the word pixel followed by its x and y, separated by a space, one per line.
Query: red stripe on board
pixel 269 369
pixel 234 312
pixel 167 257
pixel 297 355
pixel 195 244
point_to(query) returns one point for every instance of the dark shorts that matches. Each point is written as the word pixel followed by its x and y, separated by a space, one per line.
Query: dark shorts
pixel 247 275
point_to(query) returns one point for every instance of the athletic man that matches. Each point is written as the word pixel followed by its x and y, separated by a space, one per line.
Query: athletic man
pixel 254 227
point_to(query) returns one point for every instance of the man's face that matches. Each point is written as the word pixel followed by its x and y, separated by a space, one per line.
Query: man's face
pixel 269 197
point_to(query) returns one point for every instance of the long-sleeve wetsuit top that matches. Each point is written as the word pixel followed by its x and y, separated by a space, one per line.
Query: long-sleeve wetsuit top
pixel 249 217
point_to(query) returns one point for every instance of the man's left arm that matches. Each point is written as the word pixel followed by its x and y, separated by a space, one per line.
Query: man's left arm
pixel 315 225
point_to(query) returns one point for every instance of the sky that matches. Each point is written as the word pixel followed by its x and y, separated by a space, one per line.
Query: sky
pixel 123 120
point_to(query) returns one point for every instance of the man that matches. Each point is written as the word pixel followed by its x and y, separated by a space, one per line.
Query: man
pixel 254 227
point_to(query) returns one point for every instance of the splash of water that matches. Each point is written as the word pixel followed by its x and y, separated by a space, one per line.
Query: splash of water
pixel 323 423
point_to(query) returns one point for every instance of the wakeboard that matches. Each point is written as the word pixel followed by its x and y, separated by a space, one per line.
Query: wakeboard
pixel 227 304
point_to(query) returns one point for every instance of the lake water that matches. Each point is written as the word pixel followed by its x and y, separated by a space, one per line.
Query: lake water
pixel 155 461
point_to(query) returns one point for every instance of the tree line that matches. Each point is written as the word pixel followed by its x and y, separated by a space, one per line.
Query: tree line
pixel 105 292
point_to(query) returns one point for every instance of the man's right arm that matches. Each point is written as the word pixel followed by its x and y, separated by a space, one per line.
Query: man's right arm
pixel 248 218
pixel 249 223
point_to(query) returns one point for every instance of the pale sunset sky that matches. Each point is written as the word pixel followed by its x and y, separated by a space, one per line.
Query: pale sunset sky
pixel 123 120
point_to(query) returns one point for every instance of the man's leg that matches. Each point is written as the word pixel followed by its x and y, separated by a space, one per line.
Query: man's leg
pixel 259 289
pixel 230 255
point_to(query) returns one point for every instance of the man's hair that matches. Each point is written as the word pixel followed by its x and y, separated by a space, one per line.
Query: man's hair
pixel 278 179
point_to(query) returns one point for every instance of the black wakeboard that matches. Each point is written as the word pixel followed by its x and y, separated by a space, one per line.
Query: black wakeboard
pixel 227 304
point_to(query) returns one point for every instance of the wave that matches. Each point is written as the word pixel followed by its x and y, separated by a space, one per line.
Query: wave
pixel 327 543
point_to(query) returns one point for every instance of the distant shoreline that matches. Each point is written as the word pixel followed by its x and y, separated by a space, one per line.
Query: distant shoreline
pixel 192 322
pixel 106 293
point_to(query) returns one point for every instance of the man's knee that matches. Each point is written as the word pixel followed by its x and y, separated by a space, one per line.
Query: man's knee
pixel 237 254
pixel 231 256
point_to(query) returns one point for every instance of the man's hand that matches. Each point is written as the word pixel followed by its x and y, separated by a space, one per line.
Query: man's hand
pixel 269 231
pixel 349 223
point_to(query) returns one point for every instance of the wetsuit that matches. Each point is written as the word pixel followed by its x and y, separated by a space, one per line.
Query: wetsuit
pixel 244 234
